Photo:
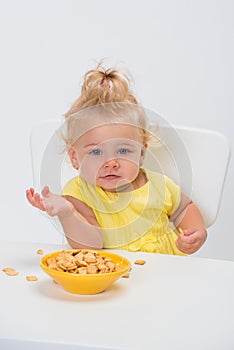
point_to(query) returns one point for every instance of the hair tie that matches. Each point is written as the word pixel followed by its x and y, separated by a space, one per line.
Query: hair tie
pixel 102 81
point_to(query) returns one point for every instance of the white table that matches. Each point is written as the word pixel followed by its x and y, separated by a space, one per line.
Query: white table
pixel 168 303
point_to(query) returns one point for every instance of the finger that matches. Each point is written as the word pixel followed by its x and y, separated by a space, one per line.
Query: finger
pixel 190 230
pixel 190 240
pixel 31 190
pixel 35 200
pixel 39 201
pixel 187 248
pixel 187 233
pixel 45 192
pixel 29 196
pixel 188 243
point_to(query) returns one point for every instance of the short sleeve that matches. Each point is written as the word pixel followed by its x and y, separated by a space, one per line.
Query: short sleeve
pixel 72 188
pixel 173 196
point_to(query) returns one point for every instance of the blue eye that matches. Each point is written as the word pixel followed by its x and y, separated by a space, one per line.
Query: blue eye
pixel 96 152
pixel 123 151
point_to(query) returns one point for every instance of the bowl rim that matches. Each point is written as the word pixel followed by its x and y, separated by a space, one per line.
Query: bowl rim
pixel 72 274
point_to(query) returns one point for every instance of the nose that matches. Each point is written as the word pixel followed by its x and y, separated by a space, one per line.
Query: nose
pixel 112 163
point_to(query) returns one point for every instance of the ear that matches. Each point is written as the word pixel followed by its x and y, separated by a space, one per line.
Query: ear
pixel 73 158
pixel 143 152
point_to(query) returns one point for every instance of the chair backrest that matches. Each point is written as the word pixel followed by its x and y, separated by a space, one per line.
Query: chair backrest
pixel 196 159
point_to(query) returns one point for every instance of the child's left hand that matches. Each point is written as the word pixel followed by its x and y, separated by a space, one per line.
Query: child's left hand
pixel 191 240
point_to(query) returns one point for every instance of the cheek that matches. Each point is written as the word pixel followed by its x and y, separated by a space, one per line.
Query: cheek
pixel 132 160
pixel 130 168
pixel 89 169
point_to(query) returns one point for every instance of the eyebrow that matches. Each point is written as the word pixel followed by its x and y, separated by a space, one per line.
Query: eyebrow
pixel 126 144
pixel 118 144
pixel 90 145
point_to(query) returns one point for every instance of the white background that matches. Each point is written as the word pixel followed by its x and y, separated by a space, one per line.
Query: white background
pixel 180 54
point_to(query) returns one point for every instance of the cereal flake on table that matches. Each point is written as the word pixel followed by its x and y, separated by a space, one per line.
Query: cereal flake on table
pixel 140 262
pixel 10 271
pixel 31 278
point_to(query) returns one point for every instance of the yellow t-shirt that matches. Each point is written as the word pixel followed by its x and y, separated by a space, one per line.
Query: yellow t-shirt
pixel 137 220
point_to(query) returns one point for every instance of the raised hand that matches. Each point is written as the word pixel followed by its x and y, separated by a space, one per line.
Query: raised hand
pixel 52 203
pixel 35 199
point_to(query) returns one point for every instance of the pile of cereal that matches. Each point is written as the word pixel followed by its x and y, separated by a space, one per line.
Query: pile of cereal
pixel 81 262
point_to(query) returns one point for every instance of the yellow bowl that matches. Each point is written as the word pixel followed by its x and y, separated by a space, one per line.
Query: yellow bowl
pixel 87 283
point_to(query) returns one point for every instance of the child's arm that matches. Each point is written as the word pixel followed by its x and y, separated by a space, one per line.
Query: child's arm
pixel 188 218
pixel 81 231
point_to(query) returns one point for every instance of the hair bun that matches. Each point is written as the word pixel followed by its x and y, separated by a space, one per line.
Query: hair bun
pixel 102 86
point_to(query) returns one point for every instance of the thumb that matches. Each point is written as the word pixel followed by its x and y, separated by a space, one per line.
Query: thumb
pixel 45 192
pixel 189 231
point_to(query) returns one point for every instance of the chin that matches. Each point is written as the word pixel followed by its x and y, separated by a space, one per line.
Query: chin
pixel 107 187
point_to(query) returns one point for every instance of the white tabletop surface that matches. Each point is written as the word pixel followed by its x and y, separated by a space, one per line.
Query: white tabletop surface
pixel 168 303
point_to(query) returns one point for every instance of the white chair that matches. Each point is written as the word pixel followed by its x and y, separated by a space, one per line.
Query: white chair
pixel 196 159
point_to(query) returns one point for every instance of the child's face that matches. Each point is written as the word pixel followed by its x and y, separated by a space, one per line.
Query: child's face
pixel 109 156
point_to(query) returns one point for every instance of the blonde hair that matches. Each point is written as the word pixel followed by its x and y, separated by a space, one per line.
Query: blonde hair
pixel 109 92
pixel 101 86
